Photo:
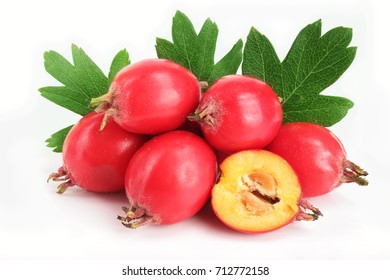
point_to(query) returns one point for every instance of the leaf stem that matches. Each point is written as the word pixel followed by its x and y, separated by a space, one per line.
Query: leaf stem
pixel 97 101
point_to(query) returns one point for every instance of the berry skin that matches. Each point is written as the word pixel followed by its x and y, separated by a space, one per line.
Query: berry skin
pixel 96 160
pixel 239 113
pixel 169 179
pixel 257 192
pixel 317 156
pixel 150 97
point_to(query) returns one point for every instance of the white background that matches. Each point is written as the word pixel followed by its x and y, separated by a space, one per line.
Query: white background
pixel 36 223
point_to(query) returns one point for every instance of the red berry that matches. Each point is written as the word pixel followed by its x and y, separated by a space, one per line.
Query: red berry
pixel 239 113
pixel 151 96
pixel 317 156
pixel 96 161
pixel 169 179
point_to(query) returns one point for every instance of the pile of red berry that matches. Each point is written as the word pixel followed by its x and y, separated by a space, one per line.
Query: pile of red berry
pixel 172 142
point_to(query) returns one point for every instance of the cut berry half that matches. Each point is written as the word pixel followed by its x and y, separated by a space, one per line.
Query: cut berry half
pixel 258 191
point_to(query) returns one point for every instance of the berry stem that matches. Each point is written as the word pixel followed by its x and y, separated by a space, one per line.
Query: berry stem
pixel 55 176
pixel 194 117
pixel 61 175
pixel 98 101
pixel 203 85
pixel 203 115
pixel 103 104
pixel 64 186
pixel 307 211
pixel 107 114
pixel 353 173
pixel 135 217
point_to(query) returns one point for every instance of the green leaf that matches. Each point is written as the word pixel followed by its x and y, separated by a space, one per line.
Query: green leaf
pixel 167 50
pixel 184 37
pixel 56 140
pixel 90 77
pixel 196 51
pixel 120 61
pixel 313 63
pixel 229 64
pixel 81 81
pixel 202 61
pixel 321 109
pixel 261 61
pixel 67 98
